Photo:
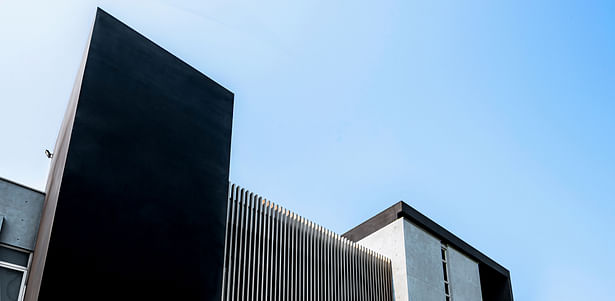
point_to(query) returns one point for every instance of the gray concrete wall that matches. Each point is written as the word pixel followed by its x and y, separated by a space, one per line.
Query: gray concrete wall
pixel 423 264
pixel 21 208
pixel 389 241
pixel 415 260
pixel 417 264
pixel 464 277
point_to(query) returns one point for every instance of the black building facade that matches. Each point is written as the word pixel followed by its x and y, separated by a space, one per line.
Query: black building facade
pixel 136 200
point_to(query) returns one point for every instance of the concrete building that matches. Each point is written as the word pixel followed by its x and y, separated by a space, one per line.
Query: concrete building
pixel 138 206
pixel 429 262
pixel 20 213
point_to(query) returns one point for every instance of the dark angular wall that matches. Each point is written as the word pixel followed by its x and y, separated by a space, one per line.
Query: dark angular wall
pixel 140 201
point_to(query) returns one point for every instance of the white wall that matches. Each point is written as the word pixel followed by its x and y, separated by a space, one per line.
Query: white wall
pixel 389 241
pixel 417 264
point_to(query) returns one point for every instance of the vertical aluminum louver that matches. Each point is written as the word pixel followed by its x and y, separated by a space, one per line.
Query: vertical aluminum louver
pixel 272 254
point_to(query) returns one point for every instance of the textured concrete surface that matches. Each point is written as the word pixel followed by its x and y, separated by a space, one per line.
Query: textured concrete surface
pixel 464 277
pixel 415 260
pixel 21 208
pixel 494 278
pixel 389 241
pixel 417 264
pixel 423 264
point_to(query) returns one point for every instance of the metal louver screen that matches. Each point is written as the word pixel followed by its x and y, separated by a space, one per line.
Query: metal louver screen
pixel 274 254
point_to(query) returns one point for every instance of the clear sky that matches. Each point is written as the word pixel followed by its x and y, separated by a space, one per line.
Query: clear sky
pixel 494 118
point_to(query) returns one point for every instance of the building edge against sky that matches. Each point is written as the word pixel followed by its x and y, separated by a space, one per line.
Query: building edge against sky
pixel 141 167
pixel 398 254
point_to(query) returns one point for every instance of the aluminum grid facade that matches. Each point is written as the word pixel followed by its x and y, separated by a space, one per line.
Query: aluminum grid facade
pixel 274 254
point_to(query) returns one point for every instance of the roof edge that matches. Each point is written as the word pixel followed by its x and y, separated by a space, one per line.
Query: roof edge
pixel 21 185
pixel 401 209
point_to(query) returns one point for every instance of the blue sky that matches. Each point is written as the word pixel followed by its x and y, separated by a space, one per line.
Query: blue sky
pixel 494 119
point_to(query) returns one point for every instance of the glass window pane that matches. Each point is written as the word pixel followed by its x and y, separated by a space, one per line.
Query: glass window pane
pixel 444 272
pixel 14 257
pixel 10 283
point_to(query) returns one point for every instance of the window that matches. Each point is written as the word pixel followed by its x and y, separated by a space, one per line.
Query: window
pixel 13 269
pixel 447 285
